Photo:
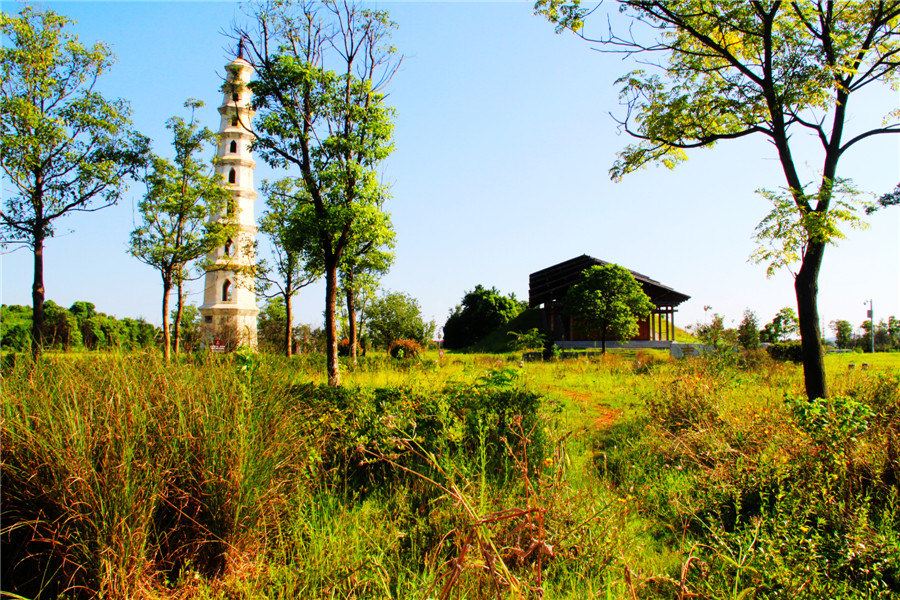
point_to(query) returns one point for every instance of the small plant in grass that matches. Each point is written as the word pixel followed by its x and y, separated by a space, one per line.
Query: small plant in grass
pixel 685 402
pixel 405 349
pixel 532 339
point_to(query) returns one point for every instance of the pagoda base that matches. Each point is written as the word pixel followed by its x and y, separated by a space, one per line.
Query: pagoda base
pixel 226 328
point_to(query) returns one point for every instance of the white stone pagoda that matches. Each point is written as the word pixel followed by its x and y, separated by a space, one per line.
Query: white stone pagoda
pixel 229 307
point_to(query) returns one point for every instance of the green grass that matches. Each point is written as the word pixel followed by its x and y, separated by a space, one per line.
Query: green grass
pixel 236 477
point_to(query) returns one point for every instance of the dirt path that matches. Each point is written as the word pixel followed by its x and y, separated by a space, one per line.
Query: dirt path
pixel 601 415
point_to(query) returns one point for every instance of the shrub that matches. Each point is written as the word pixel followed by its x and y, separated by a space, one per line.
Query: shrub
pixel 481 311
pixel 646 360
pixel 790 351
pixel 344 348
pixel 685 403
pixel 405 349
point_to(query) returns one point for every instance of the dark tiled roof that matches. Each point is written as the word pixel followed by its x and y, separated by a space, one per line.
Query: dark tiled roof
pixel 553 282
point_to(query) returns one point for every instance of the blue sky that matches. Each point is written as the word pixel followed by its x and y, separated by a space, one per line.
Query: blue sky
pixel 503 143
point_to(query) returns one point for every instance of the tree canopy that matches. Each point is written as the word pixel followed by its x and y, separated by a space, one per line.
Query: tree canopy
pixel 609 300
pixel 397 316
pixel 481 311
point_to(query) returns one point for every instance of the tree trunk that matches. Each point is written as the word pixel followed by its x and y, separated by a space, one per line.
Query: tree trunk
pixel 806 286
pixel 178 308
pixel 331 342
pixel 351 318
pixel 288 324
pixel 167 287
pixel 37 296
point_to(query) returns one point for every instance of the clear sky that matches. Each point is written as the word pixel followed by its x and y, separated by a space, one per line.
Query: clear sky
pixel 503 144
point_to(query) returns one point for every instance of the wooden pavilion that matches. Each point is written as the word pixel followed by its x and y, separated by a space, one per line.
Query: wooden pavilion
pixel 547 289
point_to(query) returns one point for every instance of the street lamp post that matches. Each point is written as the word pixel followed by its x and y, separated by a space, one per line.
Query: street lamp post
pixel 871 316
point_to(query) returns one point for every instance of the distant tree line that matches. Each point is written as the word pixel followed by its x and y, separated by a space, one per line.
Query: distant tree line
pixel 78 327
pixel 784 327
pixel 386 319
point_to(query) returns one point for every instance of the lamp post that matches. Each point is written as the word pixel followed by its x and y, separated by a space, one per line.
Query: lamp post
pixel 871 315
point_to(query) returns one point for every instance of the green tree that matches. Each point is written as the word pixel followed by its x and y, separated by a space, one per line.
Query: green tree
pixel 85 314
pixel 184 213
pixel 843 333
pixel 781 327
pixel 715 334
pixel 63 147
pixel 291 270
pixel 190 330
pixel 367 260
pixel 481 311
pixel 60 327
pixel 730 69
pixel 320 72
pixel 748 331
pixel 15 327
pixel 270 325
pixel 609 300
pixel 397 316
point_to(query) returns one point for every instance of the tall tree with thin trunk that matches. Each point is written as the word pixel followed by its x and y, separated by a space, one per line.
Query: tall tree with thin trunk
pixel 290 270
pixel 184 215
pixel 320 73
pixel 64 148
pixel 717 71
pixel 369 257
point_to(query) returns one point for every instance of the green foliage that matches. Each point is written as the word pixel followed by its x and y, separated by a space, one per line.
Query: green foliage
pixel 781 327
pixel 396 316
pixel 610 301
pixel 748 331
pixel 481 311
pixel 891 198
pixel 291 271
pixel 529 340
pixel 182 197
pixel 64 148
pixel 60 328
pixel 184 212
pixel 15 327
pixel 503 338
pixel 241 476
pixel 784 233
pixel 791 351
pixel 191 331
pixel 270 325
pixel 887 335
pixel 321 110
pixel 79 326
pixel 53 117
pixel 837 422
pixel 843 333
pixel 715 334
pixel 765 499
pixel 404 349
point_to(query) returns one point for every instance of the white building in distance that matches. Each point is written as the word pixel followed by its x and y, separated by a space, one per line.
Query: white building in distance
pixel 229 307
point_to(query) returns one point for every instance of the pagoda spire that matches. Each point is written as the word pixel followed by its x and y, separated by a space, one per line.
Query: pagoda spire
pixel 229 308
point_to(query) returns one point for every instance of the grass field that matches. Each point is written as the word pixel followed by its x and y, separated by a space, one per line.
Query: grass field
pixel 469 476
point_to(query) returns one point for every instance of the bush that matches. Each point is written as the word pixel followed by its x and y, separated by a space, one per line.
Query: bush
pixel 786 351
pixel 344 348
pixel 481 311
pixel 685 403
pixel 405 349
